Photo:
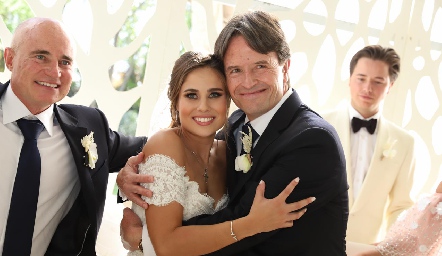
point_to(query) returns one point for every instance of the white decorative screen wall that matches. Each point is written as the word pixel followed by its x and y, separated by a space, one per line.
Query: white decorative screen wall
pixel 323 36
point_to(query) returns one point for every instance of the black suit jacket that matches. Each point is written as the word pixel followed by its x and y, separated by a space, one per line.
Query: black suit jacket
pixel 296 143
pixel 77 232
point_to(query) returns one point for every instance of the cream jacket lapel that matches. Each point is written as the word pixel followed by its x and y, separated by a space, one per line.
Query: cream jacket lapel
pixel 385 192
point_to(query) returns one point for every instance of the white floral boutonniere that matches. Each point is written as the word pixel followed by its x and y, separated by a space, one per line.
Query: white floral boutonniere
pixel 244 162
pixel 388 151
pixel 91 149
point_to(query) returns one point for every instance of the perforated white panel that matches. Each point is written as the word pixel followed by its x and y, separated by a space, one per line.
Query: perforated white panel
pixel 323 36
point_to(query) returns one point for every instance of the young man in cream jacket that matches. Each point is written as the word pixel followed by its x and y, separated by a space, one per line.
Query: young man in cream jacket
pixel 379 154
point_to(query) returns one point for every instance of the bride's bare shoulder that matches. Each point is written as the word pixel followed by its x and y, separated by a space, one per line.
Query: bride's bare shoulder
pixel 165 142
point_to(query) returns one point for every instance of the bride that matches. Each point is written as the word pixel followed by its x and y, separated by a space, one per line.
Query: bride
pixel 189 165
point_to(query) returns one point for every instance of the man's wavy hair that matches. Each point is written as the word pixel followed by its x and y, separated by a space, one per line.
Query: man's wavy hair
pixel 377 52
pixel 262 32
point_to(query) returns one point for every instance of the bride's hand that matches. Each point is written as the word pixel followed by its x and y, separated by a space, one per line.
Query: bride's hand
pixel 271 214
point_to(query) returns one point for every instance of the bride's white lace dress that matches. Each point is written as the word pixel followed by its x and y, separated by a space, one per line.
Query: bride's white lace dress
pixel 172 184
pixel 417 231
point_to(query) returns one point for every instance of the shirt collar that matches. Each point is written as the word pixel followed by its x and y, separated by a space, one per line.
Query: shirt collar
pixel 261 122
pixel 354 113
pixel 13 109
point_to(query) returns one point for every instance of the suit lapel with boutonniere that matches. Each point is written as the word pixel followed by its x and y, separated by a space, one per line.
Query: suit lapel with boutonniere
pixel 235 120
pixel 381 164
pixel 240 177
pixel 280 121
pixel 74 135
pixel 90 148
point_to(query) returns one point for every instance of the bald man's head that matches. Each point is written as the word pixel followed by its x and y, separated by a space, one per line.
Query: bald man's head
pixel 41 60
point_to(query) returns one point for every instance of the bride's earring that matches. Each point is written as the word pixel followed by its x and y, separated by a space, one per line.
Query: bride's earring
pixel 177 117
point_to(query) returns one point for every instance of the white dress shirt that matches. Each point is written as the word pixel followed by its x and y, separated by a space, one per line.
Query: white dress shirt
pixel 362 147
pixel 260 123
pixel 59 182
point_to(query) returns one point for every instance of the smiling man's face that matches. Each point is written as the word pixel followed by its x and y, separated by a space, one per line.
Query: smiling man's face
pixel 40 62
pixel 256 81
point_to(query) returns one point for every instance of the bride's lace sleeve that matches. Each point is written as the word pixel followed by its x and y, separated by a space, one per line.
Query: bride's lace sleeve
pixel 417 231
pixel 169 180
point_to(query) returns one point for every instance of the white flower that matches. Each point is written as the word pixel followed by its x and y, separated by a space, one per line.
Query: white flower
pixel 243 163
pixel 90 147
pixel 388 151
pixel 247 141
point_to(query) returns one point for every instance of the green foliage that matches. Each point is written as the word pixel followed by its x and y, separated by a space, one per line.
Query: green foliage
pixel 188 15
pixel 76 83
pixel 127 125
pixel 134 75
pixel 12 12
pixel 137 62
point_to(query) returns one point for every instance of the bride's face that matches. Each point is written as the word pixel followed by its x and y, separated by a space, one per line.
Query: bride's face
pixel 439 188
pixel 202 103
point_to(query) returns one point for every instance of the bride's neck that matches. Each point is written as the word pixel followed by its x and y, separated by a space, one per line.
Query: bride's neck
pixel 198 144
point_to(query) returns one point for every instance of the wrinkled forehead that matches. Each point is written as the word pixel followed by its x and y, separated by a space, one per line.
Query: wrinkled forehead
pixel 46 33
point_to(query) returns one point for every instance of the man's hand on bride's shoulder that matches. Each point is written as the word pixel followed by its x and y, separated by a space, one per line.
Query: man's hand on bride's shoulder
pixel 276 213
pixel 128 181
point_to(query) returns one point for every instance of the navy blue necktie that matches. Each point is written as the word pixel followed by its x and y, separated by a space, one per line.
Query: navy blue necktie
pixel 23 207
pixel 245 129
pixel 357 124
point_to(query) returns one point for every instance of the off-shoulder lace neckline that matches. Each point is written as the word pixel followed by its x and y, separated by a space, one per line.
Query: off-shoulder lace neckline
pixel 220 201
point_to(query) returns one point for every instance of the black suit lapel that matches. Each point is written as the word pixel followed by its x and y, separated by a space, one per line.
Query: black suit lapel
pixel 280 121
pixel 235 120
pixel 3 88
pixel 74 134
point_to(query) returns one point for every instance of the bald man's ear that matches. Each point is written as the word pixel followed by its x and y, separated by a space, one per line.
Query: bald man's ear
pixel 9 56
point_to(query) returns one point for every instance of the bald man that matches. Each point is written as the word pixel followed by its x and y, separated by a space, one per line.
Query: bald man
pixel 76 147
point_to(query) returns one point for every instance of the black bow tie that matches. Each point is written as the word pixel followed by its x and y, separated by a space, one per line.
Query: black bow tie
pixel 357 123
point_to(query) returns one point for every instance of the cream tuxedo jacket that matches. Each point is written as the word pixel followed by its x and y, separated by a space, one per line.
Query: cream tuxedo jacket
pixel 385 192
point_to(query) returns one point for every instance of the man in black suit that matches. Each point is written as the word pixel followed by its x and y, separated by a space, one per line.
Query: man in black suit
pixel 293 142
pixel 76 146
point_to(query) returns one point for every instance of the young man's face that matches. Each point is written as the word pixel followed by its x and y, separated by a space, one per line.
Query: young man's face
pixel 369 84
pixel 255 81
